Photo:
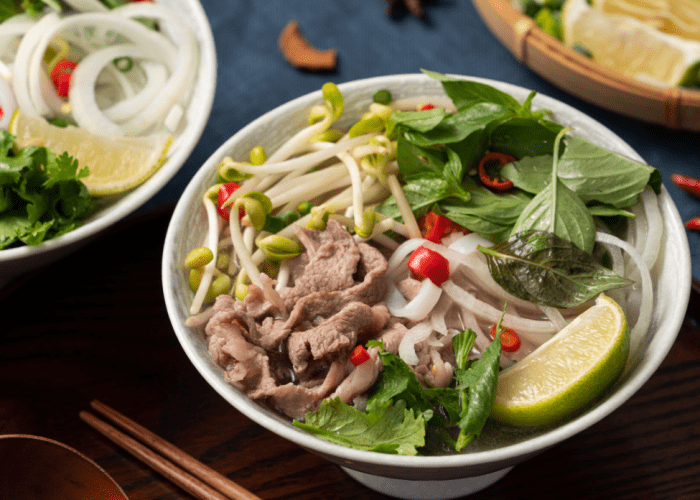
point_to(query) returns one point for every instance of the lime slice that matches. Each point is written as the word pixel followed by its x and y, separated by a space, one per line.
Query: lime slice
pixel 568 372
pixel 116 164
pixel 628 45
pixel 676 17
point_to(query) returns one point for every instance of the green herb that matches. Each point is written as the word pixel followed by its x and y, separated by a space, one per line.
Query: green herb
pixel 399 404
pixel 437 152
pixel 545 269
pixel 559 210
pixel 41 196
pixel 32 7
pixel 592 172
pixel 384 428
pixel 476 385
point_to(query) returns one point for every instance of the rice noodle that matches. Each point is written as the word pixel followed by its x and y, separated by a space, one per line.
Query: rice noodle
pixel 407 347
pixel 419 307
pixel 536 330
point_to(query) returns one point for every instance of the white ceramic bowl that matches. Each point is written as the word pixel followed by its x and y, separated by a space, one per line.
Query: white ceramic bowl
pixel 402 476
pixel 14 261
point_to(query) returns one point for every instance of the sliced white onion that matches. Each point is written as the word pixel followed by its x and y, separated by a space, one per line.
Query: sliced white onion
pixel 419 307
pixel 395 265
pixel 156 75
pixel 174 118
pixel 82 90
pixel 25 52
pixel 647 301
pixel 179 86
pixel 655 226
pixel 468 243
pixel 407 347
pixel 154 42
pixel 12 28
pixel 87 5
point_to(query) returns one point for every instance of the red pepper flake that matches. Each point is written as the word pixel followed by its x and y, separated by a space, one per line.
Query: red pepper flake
pixel 225 191
pixel 510 340
pixel 2 113
pixel 426 107
pixel 693 224
pixel 359 355
pixel 495 182
pixel 426 263
pixel 690 185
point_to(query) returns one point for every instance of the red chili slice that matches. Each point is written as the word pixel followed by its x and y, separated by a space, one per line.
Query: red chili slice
pixel 359 355
pixel 494 181
pixel 225 191
pixel 426 263
pixel 63 84
pixel 64 66
pixel 693 224
pixel 510 340
pixel 435 227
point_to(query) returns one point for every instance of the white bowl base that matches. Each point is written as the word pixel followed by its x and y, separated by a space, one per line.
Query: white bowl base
pixel 427 490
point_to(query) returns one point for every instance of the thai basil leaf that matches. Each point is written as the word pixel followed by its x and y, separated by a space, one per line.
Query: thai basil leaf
pixel 414 161
pixel 597 174
pixel 521 137
pixel 490 215
pixel 600 210
pixel 455 127
pixel 531 173
pixel 471 149
pixel 422 193
pixel 561 211
pixel 465 93
pixel 594 173
pixel 417 121
pixel 545 269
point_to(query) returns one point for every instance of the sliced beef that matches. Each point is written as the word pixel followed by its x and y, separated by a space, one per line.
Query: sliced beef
pixel 294 356
pixel 337 336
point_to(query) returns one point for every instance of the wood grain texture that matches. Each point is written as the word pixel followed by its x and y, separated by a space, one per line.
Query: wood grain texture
pixel 94 326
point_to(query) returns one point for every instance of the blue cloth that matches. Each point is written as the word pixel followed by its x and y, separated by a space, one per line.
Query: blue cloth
pixel 253 76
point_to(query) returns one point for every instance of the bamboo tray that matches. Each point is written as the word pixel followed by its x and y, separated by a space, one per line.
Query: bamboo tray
pixel 672 107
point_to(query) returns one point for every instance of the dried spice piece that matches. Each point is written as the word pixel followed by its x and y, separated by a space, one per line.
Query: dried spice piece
pixel 415 7
pixel 301 54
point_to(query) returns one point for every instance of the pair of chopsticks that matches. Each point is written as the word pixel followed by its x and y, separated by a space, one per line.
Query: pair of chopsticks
pixel 182 469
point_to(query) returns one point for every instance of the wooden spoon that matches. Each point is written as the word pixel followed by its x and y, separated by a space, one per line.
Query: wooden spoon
pixel 37 468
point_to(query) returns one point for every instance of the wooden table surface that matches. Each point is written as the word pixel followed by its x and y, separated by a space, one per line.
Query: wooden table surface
pixel 94 326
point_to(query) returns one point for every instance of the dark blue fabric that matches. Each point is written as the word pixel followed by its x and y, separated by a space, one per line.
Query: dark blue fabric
pixel 253 76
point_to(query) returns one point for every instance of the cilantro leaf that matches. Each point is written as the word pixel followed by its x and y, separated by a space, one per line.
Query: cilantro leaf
pixel 41 194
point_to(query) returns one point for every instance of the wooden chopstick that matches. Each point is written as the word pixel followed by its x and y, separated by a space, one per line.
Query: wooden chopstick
pixel 203 483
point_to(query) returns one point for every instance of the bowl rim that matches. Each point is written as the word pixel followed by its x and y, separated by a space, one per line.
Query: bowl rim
pixel 178 154
pixel 648 364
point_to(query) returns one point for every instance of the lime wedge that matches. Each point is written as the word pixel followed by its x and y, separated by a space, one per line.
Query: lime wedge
pixel 676 17
pixel 628 45
pixel 117 164
pixel 568 372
